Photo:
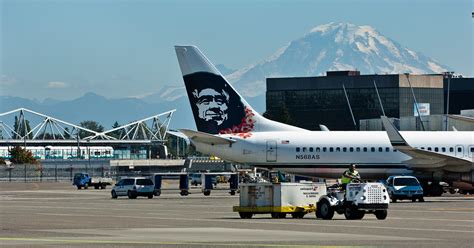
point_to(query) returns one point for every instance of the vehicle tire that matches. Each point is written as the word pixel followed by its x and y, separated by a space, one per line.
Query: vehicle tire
pixel 232 192
pixel 244 215
pixel 325 210
pixel 352 213
pixel 207 193
pixel 184 193
pixel 413 199
pixel 394 199
pixel 275 215
pixel 298 215
pixel 79 187
pixel 436 190
pixel 96 186
pixel 421 199
pixel 131 195
pixel 150 196
pixel 114 194
pixel 381 214
pixel 86 186
pixel 157 192
pixel 103 186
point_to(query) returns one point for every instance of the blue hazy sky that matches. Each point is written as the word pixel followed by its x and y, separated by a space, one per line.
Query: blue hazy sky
pixel 62 49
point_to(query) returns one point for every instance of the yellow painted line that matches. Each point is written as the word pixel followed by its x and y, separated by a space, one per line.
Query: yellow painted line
pixel 75 241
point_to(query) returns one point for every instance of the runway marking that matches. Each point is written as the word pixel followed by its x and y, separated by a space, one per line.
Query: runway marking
pixel 74 241
pixel 275 223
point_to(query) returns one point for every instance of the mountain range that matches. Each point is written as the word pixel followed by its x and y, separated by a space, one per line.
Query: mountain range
pixel 328 47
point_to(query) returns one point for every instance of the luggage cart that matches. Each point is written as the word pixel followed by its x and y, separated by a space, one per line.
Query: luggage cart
pixel 279 199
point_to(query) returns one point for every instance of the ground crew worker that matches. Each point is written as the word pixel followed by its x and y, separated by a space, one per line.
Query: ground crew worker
pixel 349 175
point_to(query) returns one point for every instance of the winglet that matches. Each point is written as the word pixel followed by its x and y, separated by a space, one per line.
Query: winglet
pixel 394 136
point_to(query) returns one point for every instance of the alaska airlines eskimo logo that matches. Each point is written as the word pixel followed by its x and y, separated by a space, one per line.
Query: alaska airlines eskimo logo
pixel 212 105
pixel 217 108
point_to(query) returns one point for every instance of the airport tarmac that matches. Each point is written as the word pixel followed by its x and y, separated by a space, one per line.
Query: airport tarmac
pixel 58 215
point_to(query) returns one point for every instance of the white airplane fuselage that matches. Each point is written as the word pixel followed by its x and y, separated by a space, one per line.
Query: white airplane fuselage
pixel 327 154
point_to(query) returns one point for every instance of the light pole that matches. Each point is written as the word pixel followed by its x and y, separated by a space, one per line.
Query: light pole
pixel 448 74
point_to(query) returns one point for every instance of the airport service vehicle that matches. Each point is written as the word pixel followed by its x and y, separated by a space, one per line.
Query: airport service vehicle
pixel 404 187
pixel 279 199
pixel 229 128
pixel 83 180
pixel 357 200
pixel 63 152
pixel 133 187
pixel 196 179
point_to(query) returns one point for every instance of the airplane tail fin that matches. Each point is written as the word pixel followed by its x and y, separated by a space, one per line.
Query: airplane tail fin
pixel 217 107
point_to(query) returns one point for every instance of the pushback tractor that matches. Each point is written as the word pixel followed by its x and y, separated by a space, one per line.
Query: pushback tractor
pixel 355 202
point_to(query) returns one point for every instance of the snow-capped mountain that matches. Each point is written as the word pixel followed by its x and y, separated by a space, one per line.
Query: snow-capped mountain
pixel 334 46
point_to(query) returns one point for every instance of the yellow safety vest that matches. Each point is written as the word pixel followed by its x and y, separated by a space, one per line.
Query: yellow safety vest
pixel 345 179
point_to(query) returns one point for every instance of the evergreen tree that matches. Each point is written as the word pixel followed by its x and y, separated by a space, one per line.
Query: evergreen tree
pixel 22 128
pixel 91 125
pixel 115 134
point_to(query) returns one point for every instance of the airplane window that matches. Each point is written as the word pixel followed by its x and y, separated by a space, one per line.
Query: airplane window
pixel 472 149
pixel 297 149
pixel 331 149
pixel 318 149
pixel 351 149
pixel 380 149
pixel 358 149
pixel 324 149
pixel 422 148
pixel 365 149
pixel 338 149
pixel 443 149
pixel 344 149
pixel 372 149
pixel 436 149
pixel 451 149
pixel 429 148
pixel 311 149
pixel 459 149
pixel 387 149
pixel 304 149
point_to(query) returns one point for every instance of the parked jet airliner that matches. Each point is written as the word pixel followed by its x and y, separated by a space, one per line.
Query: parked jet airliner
pixel 228 127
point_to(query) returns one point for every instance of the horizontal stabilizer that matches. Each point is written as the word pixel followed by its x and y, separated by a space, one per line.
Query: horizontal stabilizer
pixel 206 138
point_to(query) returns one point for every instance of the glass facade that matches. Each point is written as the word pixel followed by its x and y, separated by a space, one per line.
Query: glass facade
pixel 312 101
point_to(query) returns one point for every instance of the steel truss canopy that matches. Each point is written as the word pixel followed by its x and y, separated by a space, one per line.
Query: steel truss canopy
pixel 33 126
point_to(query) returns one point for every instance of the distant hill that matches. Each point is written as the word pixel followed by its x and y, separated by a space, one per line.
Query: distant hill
pixel 106 111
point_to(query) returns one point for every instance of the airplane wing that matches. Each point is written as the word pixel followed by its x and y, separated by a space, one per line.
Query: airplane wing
pixel 422 159
pixel 206 138
pixel 179 135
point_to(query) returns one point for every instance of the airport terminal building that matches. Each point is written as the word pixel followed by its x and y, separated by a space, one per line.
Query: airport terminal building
pixel 310 101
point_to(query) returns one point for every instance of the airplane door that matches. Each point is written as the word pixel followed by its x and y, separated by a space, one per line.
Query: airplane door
pixel 459 151
pixel 271 151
